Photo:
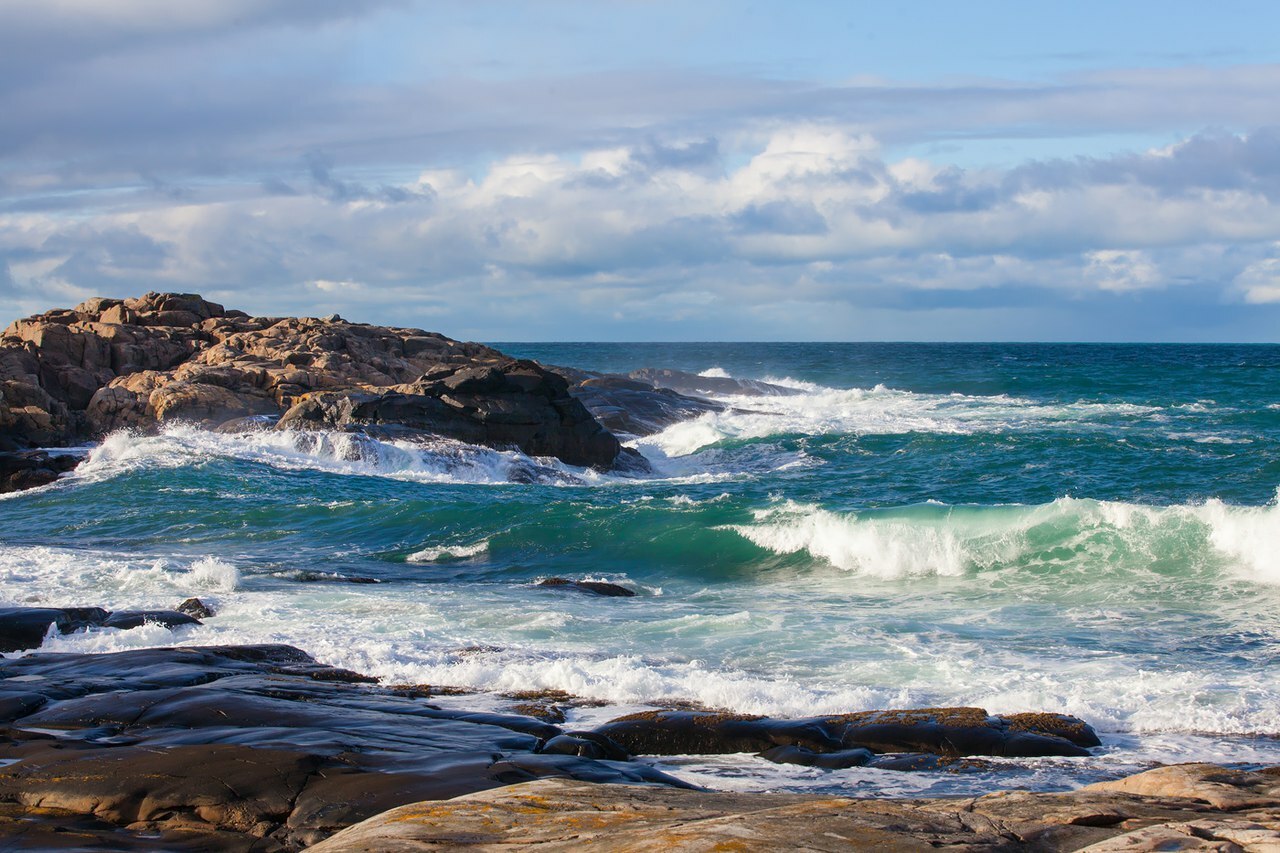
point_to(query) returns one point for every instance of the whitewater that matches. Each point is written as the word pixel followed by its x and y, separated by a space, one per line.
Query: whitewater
pixel 1093 530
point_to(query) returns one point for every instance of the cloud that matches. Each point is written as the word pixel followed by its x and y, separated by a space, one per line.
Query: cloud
pixel 257 151
pixel 812 215
pixel 1259 283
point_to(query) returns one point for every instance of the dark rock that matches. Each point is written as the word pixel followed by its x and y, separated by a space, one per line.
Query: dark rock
pixel 126 619
pixel 937 731
pixel 630 406
pixel 26 627
pixel 258 741
pixel 195 608
pixel 692 383
pixel 841 760
pixel 585 744
pixel 610 590
pixel 499 403
pixel 30 468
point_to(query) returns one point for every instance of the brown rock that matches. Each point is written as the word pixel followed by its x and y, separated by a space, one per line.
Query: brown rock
pixel 71 375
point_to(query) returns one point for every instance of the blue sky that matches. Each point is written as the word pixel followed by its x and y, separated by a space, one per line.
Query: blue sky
pixel 653 170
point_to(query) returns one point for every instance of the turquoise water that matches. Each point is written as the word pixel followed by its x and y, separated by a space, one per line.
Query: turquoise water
pixel 1088 529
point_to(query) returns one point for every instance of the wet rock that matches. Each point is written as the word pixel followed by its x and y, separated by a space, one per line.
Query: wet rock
pixel 258 741
pixel 127 619
pixel 610 590
pixel 692 383
pixel 634 407
pixel 585 744
pixel 195 608
pixel 30 468
pixel 26 627
pixel 841 760
pixel 937 731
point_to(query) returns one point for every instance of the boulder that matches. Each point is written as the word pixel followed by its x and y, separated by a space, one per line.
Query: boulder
pixel 195 608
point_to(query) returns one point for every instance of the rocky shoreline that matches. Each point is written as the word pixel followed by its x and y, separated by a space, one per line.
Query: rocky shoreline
pixel 261 747
pixel 72 376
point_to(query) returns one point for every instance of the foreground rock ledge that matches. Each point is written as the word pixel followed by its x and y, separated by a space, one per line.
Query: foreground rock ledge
pixel 1183 807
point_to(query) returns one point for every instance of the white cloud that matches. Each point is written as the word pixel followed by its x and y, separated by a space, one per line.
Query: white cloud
pixel 1259 283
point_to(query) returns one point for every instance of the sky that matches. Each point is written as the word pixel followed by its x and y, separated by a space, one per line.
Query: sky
pixel 652 170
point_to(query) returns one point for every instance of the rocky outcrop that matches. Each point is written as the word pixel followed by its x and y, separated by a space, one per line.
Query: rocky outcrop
pixel 633 407
pixel 109 364
pixel 562 815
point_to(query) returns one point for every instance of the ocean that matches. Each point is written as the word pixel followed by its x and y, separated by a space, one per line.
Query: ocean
pixel 1087 529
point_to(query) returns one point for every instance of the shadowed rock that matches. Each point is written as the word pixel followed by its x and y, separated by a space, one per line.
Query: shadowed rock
pixel 27 469
pixel 196 608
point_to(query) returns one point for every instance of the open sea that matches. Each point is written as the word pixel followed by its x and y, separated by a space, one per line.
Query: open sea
pixel 1088 529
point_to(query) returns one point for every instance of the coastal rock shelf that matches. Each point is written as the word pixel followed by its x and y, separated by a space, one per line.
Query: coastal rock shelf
pixel 227 747
pixel 262 744
pixel 1183 807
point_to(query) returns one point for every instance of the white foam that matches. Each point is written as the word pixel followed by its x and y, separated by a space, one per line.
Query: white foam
pixel 875 411
pixel 214 574
pixel 448 552
pixel 715 373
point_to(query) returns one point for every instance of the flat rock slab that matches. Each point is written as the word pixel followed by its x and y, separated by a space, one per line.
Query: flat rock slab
pixel 562 815
pixel 253 747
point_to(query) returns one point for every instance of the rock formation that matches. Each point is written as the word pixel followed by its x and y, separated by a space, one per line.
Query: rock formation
pixel 1170 808
pixel 73 375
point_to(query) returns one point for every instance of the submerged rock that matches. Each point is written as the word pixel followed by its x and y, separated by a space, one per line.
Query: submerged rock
pixel 609 590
